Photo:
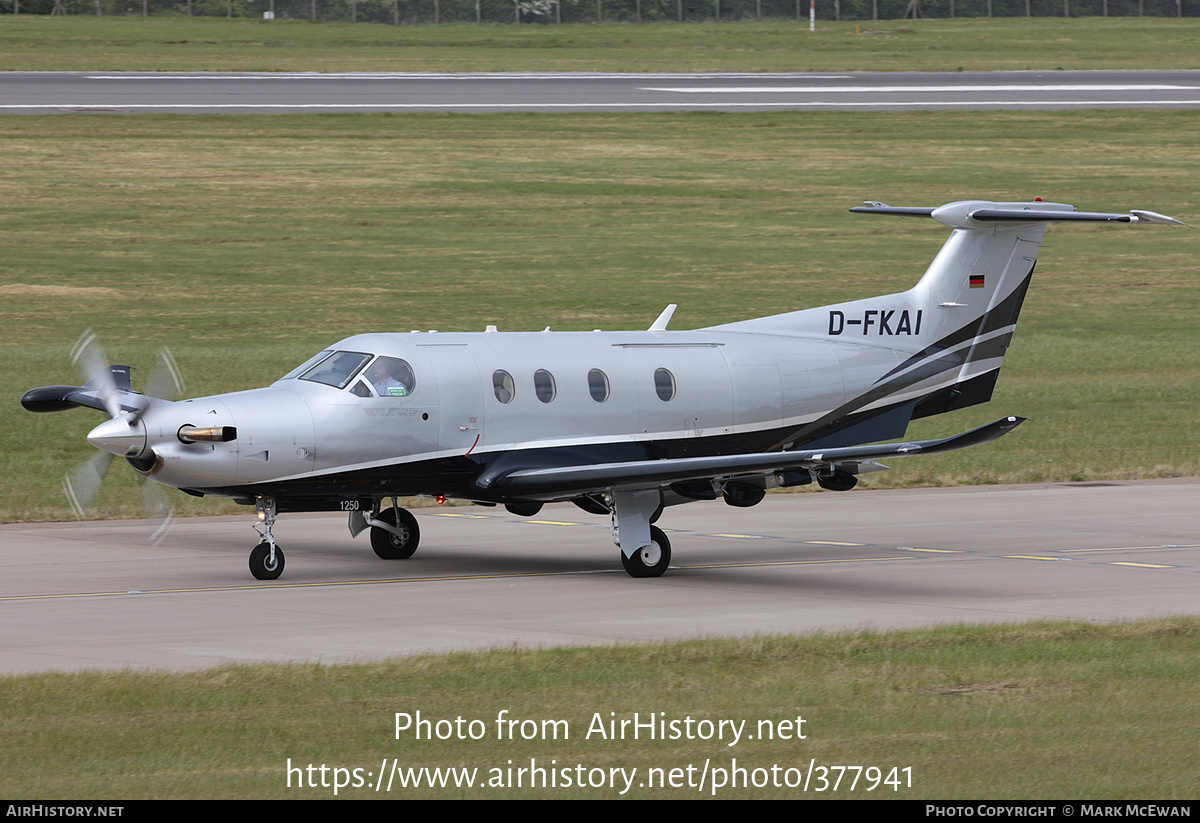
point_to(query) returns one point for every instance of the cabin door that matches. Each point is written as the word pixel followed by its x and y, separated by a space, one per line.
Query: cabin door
pixel 460 398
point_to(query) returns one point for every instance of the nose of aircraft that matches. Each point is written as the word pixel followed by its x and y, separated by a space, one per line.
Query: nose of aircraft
pixel 124 436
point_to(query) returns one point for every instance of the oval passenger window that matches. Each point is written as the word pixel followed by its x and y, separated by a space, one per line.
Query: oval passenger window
pixel 543 385
pixel 598 385
pixel 664 384
pixel 502 385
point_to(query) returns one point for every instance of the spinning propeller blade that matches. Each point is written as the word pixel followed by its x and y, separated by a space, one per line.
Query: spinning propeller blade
pixel 88 357
pixel 83 481
pixel 159 516
pixel 113 385
pixel 165 382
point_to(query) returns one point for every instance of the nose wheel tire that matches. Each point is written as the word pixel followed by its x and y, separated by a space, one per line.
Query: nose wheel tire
pixel 390 546
pixel 651 560
pixel 261 565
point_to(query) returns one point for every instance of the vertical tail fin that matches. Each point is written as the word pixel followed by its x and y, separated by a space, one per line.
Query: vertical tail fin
pixel 968 297
pixel 971 295
pixel 969 300
pixel 946 337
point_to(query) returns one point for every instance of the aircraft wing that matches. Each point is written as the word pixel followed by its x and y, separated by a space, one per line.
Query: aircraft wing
pixel 554 483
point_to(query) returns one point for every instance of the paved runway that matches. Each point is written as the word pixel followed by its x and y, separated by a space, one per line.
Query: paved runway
pixel 277 93
pixel 95 595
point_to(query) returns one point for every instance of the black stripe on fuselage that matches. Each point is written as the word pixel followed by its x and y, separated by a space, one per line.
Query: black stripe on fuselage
pixel 468 477
pixel 1002 314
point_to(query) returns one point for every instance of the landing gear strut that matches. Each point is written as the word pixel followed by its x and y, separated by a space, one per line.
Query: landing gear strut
pixel 266 560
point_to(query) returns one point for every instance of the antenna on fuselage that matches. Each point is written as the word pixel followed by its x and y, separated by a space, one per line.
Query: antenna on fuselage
pixel 663 319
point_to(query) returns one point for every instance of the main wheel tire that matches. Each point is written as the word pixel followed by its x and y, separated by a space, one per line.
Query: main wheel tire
pixel 260 562
pixel 651 560
pixel 389 546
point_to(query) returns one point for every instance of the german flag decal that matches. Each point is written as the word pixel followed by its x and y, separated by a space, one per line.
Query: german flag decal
pixel 977 281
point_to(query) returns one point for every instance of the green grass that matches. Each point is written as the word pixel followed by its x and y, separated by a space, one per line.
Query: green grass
pixel 1058 710
pixel 208 44
pixel 247 244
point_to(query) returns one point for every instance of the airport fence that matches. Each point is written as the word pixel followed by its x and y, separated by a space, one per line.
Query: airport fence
pixel 552 12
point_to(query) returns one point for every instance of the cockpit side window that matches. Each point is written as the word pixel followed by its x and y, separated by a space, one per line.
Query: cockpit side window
pixel 391 377
pixel 338 369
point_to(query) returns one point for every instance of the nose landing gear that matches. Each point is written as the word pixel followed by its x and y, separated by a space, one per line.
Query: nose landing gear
pixel 266 559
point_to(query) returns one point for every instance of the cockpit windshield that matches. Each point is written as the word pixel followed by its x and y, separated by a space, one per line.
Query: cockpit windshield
pixel 306 365
pixel 385 377
pixel 337 369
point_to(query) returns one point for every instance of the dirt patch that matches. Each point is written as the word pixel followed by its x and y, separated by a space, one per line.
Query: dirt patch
pixel 59 291
pixel 974 689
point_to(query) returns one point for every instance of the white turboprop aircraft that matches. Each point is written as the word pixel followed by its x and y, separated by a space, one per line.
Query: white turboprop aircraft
pixel 620 423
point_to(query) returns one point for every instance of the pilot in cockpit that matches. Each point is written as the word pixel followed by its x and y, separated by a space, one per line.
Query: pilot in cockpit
pixel 382 380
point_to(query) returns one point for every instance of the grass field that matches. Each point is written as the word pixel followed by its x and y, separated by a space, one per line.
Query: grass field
pixel 208 44
pixel 247 244
pixel 1042 711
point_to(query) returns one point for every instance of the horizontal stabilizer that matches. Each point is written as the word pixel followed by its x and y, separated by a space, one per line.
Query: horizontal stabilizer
pixel 976 214
pixel 1033 215
pixel 875 207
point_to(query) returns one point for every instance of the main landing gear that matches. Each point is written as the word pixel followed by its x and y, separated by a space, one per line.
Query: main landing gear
pixel 394 533
pixel 645 550
pixel 266 560
pixel 650 560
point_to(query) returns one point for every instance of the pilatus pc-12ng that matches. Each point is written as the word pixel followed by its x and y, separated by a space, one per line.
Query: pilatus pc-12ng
pixel 620 423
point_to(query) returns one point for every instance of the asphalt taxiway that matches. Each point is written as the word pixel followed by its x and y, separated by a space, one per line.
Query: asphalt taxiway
pixel 95 595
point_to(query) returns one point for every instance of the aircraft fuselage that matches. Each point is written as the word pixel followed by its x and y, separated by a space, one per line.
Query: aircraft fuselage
pixel 574 396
